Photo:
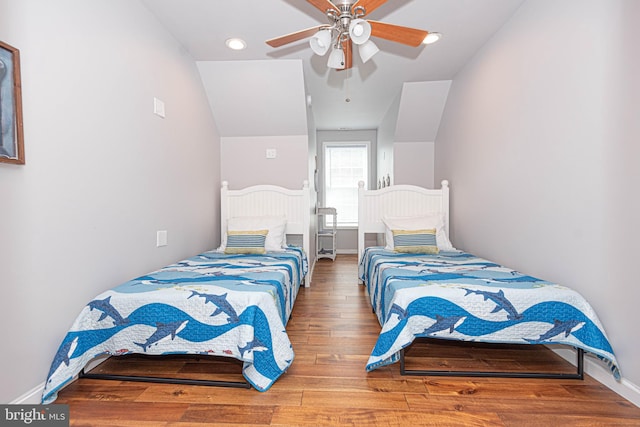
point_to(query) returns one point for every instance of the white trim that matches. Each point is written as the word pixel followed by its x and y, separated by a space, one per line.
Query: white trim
pixel 346 251
pixel 34 396
pixel 322 190
pixel 597 371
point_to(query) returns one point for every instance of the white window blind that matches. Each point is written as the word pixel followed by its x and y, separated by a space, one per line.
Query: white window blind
pixel 345 164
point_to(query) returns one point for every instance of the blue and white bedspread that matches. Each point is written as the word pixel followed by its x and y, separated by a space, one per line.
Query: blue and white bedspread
pixel 214 304
pixel 458 296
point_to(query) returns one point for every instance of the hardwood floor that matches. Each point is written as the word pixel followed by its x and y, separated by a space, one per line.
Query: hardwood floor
pixel 333 331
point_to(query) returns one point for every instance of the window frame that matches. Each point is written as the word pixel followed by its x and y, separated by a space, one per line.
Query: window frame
pixel 322 175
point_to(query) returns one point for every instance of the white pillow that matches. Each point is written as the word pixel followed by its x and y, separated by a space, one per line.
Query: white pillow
pixel 417 223
pixel 276 238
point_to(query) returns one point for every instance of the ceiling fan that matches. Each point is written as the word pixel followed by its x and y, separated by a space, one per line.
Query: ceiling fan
pixel 346 27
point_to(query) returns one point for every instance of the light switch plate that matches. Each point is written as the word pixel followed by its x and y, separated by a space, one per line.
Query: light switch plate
pixel 161 238
pixel 271 153
pixel 158 107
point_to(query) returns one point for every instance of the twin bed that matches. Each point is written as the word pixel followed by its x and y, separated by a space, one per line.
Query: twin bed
pixel 231 302
pixel 420 286
pixel 235 301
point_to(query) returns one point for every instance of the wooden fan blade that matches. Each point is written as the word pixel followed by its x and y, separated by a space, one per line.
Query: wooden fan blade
pixel 324 5
pixel 369 5
pixel 293 37
pixel 396 33
pixel 347 48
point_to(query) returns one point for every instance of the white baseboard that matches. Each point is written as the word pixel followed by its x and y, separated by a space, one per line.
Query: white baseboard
pixel 34 396
pixel 600 373
pixel 346 251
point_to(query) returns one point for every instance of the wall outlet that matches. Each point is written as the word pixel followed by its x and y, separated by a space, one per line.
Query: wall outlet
pixel 271 153
pixel 161 238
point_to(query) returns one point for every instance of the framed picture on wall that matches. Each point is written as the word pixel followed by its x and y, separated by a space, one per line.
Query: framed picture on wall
pixel 11 137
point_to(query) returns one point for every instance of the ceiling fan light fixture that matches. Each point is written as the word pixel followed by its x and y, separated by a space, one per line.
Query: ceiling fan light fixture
pixel 359 31
pixel 367 50
pixel 432 38
pixel 235 43
pixel 321 42
pixel 336 59
pixel 348 27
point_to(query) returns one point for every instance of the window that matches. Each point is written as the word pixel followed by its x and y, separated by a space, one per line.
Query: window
pixel 345 164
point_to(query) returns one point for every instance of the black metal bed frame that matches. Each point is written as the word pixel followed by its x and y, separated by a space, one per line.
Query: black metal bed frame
pixel 579 375
pixel 164 380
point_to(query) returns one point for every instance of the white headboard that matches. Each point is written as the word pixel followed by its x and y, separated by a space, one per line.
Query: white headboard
pixel 261 200
pixel 395 201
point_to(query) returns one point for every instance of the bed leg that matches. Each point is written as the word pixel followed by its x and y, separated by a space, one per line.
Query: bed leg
pixel 580 363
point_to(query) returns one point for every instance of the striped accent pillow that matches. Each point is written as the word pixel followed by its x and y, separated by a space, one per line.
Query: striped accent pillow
pixel 246 242
pixel 415 241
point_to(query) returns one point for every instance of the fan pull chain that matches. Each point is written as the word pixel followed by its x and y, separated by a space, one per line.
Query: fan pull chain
pixel 346 86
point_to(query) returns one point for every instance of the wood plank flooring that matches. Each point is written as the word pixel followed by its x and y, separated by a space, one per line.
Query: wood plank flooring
pixel 333 331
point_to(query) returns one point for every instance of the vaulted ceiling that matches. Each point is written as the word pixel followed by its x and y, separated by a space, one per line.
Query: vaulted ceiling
pixel 202 26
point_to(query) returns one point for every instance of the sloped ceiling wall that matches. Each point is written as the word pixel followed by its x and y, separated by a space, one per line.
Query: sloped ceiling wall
pixel 268 97
pixel 256 98
pixel 420 111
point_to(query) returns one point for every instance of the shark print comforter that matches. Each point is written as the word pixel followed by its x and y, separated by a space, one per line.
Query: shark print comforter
pixel 458 296
pixel 212 304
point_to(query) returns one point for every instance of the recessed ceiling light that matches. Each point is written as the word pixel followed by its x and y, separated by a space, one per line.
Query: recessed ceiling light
pixel 432 38
pixel 236 43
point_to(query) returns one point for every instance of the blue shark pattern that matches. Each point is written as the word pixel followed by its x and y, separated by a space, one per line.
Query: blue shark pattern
pixel 104 305
pixel 62 356
pixel 443 324
pixel 255 292
pixel 396 309
pixel 559 327
pixel 254 345
pixel 221 303
pixel 502 303
pixel 163 330
pixel 417 295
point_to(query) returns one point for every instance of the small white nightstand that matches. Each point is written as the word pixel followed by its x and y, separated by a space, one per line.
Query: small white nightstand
pixel 326 235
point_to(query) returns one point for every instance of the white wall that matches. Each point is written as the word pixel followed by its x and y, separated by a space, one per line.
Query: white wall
pixel 244 161
pixel 102 173
pixel 414 163
pixel 407 133
pixel 539 140
pixel 312 160
pixel 386 137
pixel 419 115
